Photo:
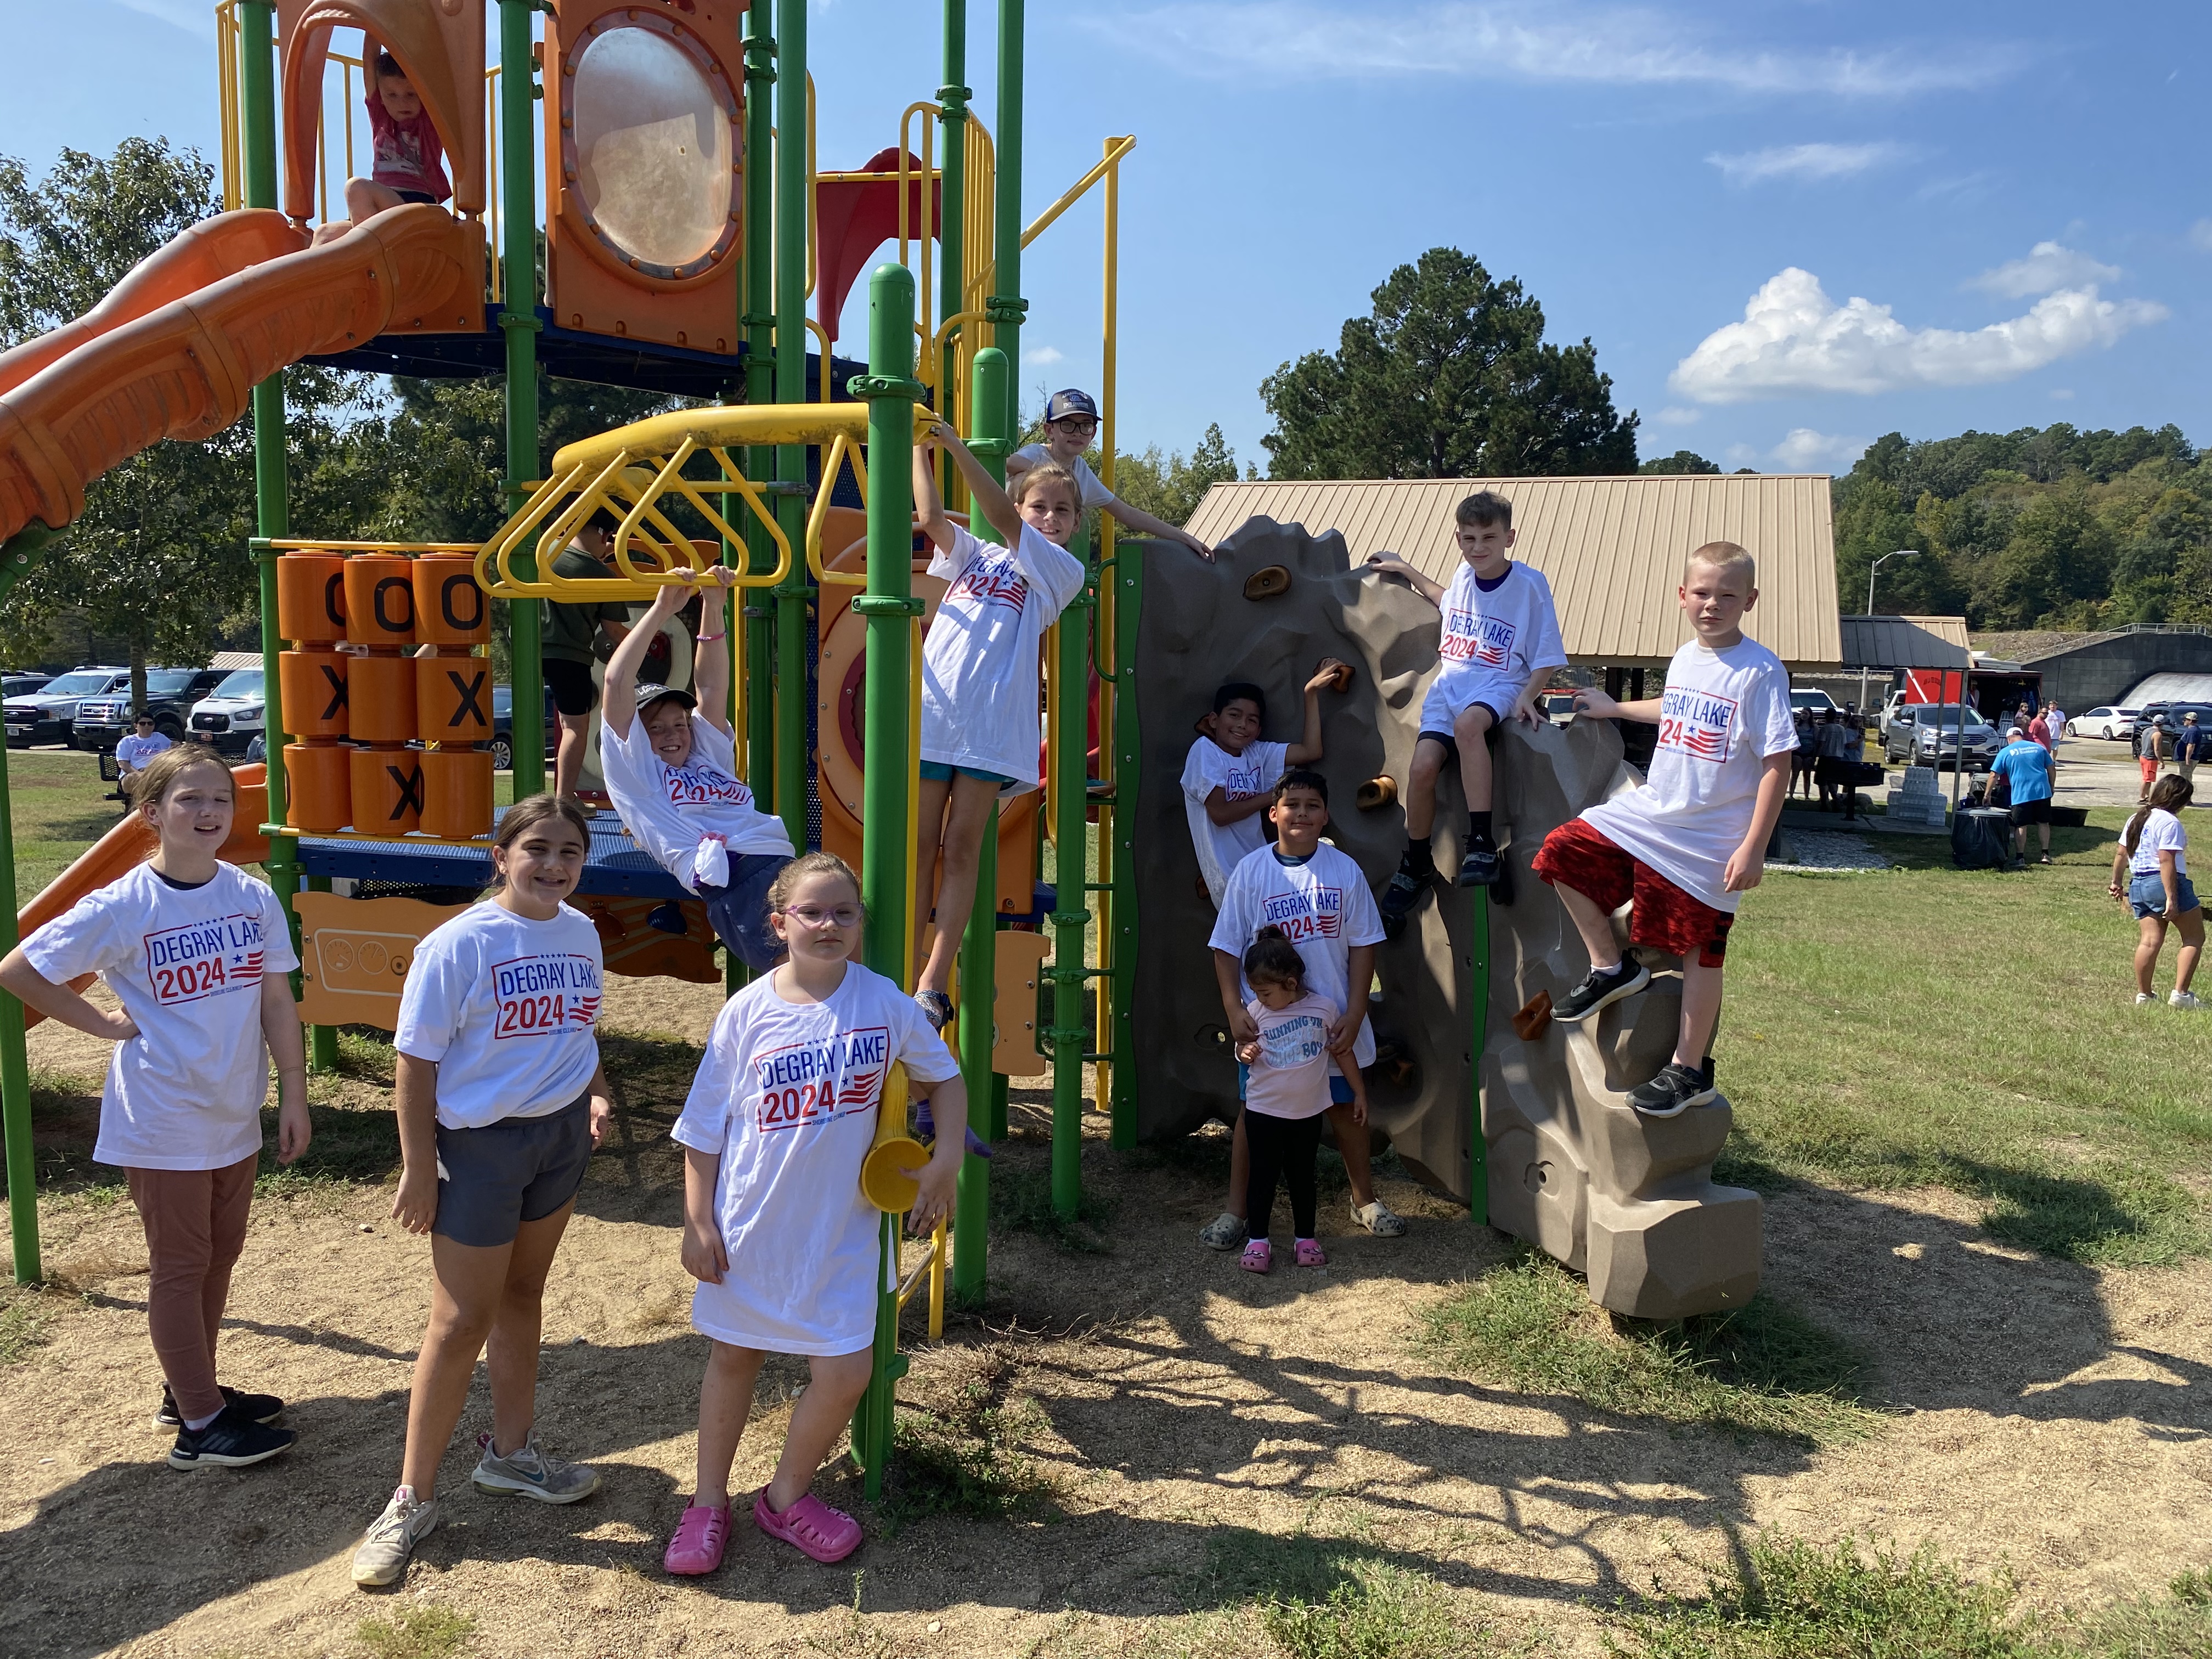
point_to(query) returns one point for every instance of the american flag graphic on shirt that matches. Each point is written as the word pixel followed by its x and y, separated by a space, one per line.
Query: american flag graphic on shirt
pixel 1697 724
pixel 1470 637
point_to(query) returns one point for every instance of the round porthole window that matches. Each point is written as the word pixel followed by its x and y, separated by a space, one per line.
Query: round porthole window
pixel 654 149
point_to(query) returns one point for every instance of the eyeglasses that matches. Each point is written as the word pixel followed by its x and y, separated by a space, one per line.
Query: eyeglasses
pixel 1076 425
pixel 813 915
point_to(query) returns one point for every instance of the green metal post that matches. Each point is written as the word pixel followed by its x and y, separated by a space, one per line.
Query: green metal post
pixel 1006 307
pixel 953 167
pixel 20 553
pixel 890 607
pixel 1478 996
pixel 759 321
pixel 793 595
pixel 518 214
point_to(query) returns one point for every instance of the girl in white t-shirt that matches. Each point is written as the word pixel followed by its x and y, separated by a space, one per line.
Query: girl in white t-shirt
pixel 670 763
pixel 197 954
pixel 501 1099
pixel 2150 876
pixel 979 677
pixel 1284 1073
pixel 775 1230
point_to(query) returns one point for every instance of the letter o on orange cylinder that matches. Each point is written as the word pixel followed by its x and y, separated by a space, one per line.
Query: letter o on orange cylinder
pixel 317 694
pixel 319 777
pixel 452 698
pixel 456 791
pixel 380 698
pixel 380 599
pixel 311 597
pixel 387 790
pixel 450 609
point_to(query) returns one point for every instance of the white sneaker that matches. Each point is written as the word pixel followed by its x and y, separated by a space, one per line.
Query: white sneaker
pixel 2182 999
pixel 2145 1000
pixel 1379 1218
pixel 405 1523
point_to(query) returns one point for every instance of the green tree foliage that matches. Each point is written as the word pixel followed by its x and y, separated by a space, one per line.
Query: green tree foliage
pixel 1449 378
pixel 2053 528
pixel 1682 460
pixel 1170 486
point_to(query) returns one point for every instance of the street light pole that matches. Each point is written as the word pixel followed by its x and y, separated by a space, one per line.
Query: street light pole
pixel 1900 553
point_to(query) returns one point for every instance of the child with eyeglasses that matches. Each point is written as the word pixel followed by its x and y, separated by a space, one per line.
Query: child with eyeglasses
pixel 1070 423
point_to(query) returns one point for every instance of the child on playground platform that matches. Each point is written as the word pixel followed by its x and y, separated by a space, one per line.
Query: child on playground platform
pixel 1686 844
pixel 409 162
pixel 198 953
pixel 1229 779
pixel 775 1227
pixel 671 764
pixel 979 677
pixel 500 1098
pixel 1500 640
pixel 1283 1074
pixel 1071 422
pixel 1318 898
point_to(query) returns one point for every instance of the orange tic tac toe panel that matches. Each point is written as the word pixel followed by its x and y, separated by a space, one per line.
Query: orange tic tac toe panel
pixel 644 139
pixel 450 609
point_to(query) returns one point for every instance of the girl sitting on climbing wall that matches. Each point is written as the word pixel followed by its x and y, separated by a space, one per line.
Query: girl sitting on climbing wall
pixel 979 676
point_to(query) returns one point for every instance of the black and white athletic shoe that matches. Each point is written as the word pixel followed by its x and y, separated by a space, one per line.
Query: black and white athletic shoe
pixel 1478 866
pixel 1401 899
pixel 231 1442
pixel 936 1008
pixel 254 1407
pixel 1599 988
pixel 1673 1092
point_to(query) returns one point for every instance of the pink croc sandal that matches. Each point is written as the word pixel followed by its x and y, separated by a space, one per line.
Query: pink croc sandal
pixel 1310 1254
pixel 699 1538
pixel 810 1526
pixel 1258 1257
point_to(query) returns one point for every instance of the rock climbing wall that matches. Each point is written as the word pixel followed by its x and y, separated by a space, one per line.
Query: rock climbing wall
pixel 1627 1200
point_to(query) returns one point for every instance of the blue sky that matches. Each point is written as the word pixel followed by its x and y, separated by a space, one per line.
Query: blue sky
pixel 1788 226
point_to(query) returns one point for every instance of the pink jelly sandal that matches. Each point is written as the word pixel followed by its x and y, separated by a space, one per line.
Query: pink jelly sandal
pixel 810 1526
pixel 699 1538
pixel 1258 1257
pixel 1310 1254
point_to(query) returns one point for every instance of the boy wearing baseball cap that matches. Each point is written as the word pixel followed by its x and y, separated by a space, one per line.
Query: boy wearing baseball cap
pixel 1071 422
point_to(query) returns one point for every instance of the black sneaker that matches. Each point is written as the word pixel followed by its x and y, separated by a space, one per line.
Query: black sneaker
pixel 231 1442
pixel 1401 898
pixel 1597 989
pixel 1673 1092
pixel 254 1407
pixel 1479 868
pixel 936 1008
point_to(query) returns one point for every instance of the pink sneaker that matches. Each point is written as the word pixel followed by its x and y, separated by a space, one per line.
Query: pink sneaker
pixel 1258 1257
pixel 810 1526
pixel 1310 1254
pixel 699 1538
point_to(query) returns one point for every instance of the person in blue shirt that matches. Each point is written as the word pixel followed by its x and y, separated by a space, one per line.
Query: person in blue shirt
pixel 2190 744
pixel 2025 768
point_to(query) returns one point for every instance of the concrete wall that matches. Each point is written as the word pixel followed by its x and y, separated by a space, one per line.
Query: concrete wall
pixel 2104 670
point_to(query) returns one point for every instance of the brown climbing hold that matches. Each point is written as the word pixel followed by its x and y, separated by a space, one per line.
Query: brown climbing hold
pixel 1268 583
pixel 1396 1065
pixel 1535 1018
pixel 1376 794
pixel 1342 673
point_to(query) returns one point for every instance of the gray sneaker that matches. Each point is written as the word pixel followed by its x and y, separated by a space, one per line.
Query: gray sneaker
pixel 1379 1218
pixel 405 1523
pixel 531 1474
pixel 1224 1232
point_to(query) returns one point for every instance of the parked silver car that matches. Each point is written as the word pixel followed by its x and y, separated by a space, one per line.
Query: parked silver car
pixel 1928 734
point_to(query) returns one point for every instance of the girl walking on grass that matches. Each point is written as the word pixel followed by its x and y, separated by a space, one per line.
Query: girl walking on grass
pixel 196 952
pixel 775 1230
pixel 501 1099
pixel 2150 876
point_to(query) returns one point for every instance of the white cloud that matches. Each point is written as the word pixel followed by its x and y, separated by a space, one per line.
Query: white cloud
pixel 1615 45
pixel 2047 268
pixel 1794 338
pixel 1042 354
pixel 2201 234
pixel 1803 450
pixel 1675 415
pixel 186 14
pixel 1812 161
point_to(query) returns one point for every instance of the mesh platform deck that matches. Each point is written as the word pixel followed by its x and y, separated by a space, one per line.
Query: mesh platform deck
pixel 616 865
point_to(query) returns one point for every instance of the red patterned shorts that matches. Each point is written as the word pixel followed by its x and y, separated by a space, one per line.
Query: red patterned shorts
pixel 1577 855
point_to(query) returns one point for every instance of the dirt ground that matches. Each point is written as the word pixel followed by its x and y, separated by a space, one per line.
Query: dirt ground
pixel 1189 1420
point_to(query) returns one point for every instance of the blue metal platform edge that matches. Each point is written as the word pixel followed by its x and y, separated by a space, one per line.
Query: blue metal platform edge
pixel 616 866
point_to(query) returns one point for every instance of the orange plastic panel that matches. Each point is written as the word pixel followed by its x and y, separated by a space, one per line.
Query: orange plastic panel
pixel 318 779
pixel 380 597
pixel 450 609
pixel 642 951
pixel 456 792
pixel 452 698
pixel 311 597
pixel 354 954
pixel 315 691
pixel 387 790
pixel 380 699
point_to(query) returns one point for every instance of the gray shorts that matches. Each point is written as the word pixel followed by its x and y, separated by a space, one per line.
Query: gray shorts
pixel 492 1180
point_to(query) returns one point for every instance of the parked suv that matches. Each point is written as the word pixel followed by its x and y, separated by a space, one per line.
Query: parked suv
pixel 170 693
pixel 229 717
pixel 47 714
pixel 1929 734
pixel 502 728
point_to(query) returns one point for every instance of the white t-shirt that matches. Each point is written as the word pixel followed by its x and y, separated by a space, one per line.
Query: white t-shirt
pixel 1323 906
pixel 979 661
pixel 133 752
pixel 1221 847
pixel 1290 1076
pixel 186 963
pixel 505 1006
pixel 1723 713
pixel 788 1094
pixel 687 816
pixel 2161 833
pixel 1508 633
pixel 1095 493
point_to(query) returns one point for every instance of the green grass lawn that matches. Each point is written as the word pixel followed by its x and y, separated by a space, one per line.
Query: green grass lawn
pixel 58 810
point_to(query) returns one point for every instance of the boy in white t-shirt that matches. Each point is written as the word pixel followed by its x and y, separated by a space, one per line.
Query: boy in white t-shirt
pixel 1687 843
pixel 670 763
pixel 1230 778
pixel 1071 422
pixel 1499 642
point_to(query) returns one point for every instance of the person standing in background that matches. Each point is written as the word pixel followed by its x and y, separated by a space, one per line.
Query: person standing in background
pixel 2189 745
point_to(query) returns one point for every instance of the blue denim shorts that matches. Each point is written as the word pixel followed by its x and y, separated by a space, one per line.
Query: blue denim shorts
pixel 492 1180
pixel 2147 893
pixel 740 911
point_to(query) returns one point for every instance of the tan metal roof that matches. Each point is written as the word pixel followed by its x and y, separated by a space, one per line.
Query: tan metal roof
pixel 1612 548
pixel 1905 641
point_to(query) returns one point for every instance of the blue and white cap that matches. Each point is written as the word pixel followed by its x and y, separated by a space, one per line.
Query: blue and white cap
pixel 1070 402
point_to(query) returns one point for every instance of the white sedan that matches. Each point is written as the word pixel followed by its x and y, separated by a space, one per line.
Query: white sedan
pixel 2109 723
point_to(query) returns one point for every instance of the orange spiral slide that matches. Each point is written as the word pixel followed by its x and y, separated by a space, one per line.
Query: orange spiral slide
pixel 176 349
